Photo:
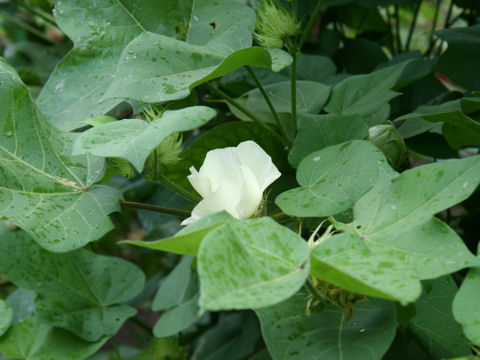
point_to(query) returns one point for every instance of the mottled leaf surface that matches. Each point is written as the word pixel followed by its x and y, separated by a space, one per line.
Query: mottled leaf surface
pixel 33 340
pixel 433 324
pixel 316 132
pixel 465 305
pixel 101 31
pixel 365 94
pixel 44 190
pixel 135 139
pixel 257 263
pixel 290 334
pixel 394 240
pixel 187 241
pixel 332 179
pixel 157 68
pixel 78 291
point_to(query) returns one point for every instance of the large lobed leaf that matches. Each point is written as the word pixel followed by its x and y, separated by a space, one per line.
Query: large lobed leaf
pixel 45 190
pixel 250 264
pixel 332 179
pixel 135 139
pixel 78 291
pixel 144 49
pixel 291 334
pixel 394 240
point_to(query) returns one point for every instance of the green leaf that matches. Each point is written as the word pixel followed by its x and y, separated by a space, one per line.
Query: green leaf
pixel 433 325
pixel 332 179
pixel 135 139
pixel 311 96
pixel 461 59
pixel 156 68
pixel 234 337
pixel 459 129
pixel 365 94
pixel 101 31
pixel 44 190
pixel 33 340
pixel 78 291
pixel 6 315
pixel 314 67
pixel 465 306
pixel 188 240
pixel 229 134
pixel 291 334
pixel 250 264
pixel 22 303
pixel 178 298
pixel 394 240
pixel 316 132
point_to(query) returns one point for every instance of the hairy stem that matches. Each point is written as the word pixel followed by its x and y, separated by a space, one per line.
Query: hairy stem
pixel 247 112
pixel 412 25
pixel 26 26
pixel 155 208
pixel 267 100
pixel 308 28
pixel 175 187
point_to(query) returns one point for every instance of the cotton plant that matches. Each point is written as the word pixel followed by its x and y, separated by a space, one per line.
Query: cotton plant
pixel 234 179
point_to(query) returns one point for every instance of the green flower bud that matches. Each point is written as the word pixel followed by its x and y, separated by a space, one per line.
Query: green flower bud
pixel 388 139
pixel 274 24
pixel 121 166
pixel 166 154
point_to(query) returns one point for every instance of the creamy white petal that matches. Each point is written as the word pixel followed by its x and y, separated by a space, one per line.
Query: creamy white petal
pixel 251 194
pixel 225 198
pixel 200 183
pixel 220 165
pixel 253 156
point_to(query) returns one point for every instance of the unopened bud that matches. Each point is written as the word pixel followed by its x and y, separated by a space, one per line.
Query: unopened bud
pixel 387 138
pixel 274 24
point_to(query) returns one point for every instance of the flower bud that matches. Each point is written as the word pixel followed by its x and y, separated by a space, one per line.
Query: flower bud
pixel 274 24
pixel 387 138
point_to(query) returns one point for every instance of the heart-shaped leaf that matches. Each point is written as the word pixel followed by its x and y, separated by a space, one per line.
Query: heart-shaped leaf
pixel 78 291
pixel 45 190
pixel 250 264
pixel 292 334
pixel 332 179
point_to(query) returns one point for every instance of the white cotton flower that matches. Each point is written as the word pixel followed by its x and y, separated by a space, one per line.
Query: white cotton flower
pixel 232 179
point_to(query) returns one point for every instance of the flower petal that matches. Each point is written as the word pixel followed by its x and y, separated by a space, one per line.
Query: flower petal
pixel 253 156
pixel 220 165
pixel 200 184
pixel 225 198
pixel 251 194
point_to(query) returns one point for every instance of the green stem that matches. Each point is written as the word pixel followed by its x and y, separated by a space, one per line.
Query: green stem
pixel 155 165
pixel 449 15
pixel 432 42
pixel 172 185
pixel 397 28
pixel 142 325
pixel 37 11
pixel 312 290
pixel 390 31
pixel 308 28
pixel 26 26
pixel 246 111
pixel 267 100
pixel 293 91
pixel 412 25
pixel 155 208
